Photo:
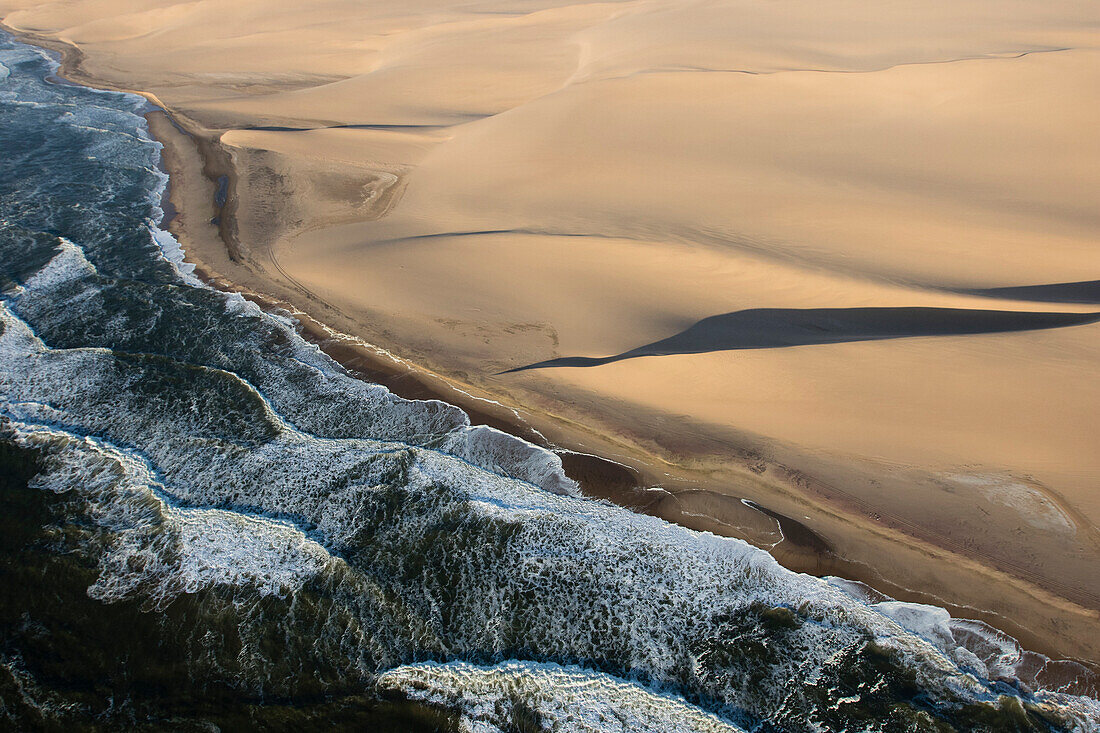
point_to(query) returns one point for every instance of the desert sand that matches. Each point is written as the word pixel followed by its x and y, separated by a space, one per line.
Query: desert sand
pixel 889 213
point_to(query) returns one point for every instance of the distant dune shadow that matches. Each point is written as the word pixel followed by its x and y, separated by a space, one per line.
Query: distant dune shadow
pixel 1085 292
pixel 771 328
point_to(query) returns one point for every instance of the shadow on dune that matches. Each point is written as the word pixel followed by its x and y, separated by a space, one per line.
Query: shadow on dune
pixel 770 328
pixel 1085 292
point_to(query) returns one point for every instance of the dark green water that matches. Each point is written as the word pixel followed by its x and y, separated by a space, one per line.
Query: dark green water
pixel 206 523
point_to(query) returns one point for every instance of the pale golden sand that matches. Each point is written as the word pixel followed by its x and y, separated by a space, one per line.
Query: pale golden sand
pixel 481 186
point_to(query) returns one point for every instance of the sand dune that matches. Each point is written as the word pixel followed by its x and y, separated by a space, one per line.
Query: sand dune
pixel 886 190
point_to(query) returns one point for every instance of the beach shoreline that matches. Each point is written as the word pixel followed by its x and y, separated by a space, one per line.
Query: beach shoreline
pixel 627 472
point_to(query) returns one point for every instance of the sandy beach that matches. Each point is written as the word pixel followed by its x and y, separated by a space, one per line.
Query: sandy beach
pixel 821 277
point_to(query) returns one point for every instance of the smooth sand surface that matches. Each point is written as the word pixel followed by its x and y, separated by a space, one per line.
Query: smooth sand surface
pixel 881 194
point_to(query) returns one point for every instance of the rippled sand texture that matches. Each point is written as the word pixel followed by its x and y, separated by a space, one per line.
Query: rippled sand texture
pixel 485 186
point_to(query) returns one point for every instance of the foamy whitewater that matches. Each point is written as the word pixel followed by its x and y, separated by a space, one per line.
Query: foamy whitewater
pixel 297 545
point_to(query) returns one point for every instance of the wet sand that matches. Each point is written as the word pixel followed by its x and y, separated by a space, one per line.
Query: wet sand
pixel 606 194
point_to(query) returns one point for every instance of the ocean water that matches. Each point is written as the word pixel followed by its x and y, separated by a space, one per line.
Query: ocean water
pixel 207 524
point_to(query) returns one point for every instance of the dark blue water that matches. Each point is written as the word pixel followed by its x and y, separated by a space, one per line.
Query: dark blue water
pixel 206 522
